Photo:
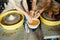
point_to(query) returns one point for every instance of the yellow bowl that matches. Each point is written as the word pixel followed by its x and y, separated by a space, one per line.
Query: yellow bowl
pixel 48 22
pixel 12 27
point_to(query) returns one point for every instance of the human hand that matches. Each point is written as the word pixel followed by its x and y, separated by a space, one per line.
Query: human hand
pixel 34 14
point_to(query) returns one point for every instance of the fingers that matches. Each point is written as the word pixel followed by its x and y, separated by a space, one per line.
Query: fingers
pixel 37 15
pixel 34 14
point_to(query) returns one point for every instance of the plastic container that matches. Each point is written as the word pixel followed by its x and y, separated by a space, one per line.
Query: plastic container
pixel 15 26
pixel 49 22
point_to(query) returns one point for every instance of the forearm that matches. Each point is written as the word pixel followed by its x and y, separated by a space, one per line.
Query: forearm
pixel 34 4
pixel 25 5
pixel 23 12
pixel 45 6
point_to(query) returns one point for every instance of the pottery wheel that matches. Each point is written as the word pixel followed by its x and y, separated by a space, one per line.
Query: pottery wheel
pixel 48 18
pixel 12 19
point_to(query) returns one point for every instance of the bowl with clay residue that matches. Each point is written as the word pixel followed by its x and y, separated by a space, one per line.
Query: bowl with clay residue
pixel 35 23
